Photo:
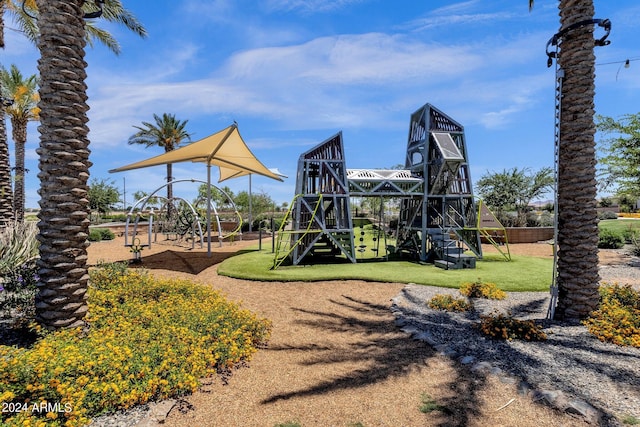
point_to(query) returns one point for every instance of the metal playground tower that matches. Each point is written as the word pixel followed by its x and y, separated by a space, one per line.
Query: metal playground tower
pixel 438 220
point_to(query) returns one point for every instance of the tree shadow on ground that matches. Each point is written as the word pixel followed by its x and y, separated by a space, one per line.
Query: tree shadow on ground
pixel 539 364
pixel 381 351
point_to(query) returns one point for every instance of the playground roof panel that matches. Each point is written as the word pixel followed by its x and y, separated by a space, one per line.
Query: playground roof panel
pixel 378 175
pixel 225 149
pixel 447 146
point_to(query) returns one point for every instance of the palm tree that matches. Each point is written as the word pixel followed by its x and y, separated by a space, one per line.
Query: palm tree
pixel 64 166
pixel 23 109
pixel 24 13
pixel 112 11
pixel 167 132
pixel 2 24
pixel 577 275
pixel 6 193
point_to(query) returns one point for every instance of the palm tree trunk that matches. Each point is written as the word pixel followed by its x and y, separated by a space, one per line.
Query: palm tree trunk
pixel 6 194
pixel 2 24
pixel 578 277
pixel 64 166
pixel 19 128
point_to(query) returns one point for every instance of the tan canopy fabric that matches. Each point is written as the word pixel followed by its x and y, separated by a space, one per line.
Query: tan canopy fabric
pixel 225 149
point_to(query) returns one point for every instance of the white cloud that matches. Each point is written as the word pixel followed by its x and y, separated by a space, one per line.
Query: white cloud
pixel 309 6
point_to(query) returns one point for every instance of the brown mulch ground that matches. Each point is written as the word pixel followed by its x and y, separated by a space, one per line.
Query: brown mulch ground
pixel 335 357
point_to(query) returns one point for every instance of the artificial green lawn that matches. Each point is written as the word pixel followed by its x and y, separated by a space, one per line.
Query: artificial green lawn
pixel 619 225
pixel 522 273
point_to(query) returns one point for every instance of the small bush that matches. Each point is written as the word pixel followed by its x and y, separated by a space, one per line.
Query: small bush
pixel 617 319
pixel 501 326
pixel 94 235
pixel 635 243
pixel 448 303
pixel 609 239
pixel 607 215
pixel 478 289
pixel 17 293
pixel 98 234
pixel 106 234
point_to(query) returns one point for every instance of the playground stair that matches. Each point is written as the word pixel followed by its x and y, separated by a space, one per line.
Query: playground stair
pixel 447 253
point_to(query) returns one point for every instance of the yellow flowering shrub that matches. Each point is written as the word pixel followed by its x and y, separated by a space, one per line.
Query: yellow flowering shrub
pixel 617 319
pixel 148 339
pixel 629 214
pixel 449 303
pixel 481 289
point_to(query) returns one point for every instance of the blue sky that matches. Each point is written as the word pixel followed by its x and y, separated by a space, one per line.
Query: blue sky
pixel 292 73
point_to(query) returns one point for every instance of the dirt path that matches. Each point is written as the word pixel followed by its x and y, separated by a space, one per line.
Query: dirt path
pixel 335 359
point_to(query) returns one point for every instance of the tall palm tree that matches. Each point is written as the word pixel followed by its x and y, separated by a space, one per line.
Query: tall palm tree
pixel 23 92
pixel 64 165
pixel 25 12
pixel 2 7
pixel 167 132
pixel 6 192
pixel 113 11
pixel 577 275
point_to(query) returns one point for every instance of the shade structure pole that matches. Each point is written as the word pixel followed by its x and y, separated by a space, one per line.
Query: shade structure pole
pixel 250 213
pixel 208 209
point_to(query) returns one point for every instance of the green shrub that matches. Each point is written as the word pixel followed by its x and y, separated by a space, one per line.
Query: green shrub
pixel 448 303
pixel 94 235
pixel 609 239
pixel 501 326
pixel 98 234
pixel 478 289
pixel 635 243
pixel 617 319
pixel 106 234
pixel 607 215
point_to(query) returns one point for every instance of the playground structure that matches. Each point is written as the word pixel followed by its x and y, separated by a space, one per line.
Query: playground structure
pixel 439 220
pixel 178 219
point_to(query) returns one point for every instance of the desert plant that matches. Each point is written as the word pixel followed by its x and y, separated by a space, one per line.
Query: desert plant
pixel 449 303
pixel 479 289
pixel 17 293
pixel 18 246
pixel 501 326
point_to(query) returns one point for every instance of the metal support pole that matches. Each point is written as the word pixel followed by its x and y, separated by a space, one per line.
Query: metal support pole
pixel 250 213
pixel 209 209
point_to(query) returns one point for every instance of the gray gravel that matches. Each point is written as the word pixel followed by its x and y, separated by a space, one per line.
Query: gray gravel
pixel 571 361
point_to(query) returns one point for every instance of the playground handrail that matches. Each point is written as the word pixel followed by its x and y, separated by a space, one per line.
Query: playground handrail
pixel 278 261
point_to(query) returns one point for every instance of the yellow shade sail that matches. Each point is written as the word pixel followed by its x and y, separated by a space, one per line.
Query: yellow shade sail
pixel 225 149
